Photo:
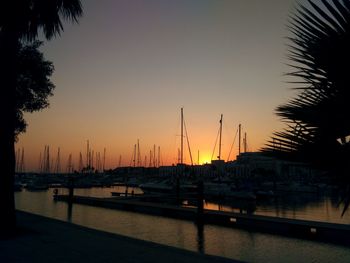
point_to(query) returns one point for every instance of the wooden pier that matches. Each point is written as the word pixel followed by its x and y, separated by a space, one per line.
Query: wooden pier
pixel 320 231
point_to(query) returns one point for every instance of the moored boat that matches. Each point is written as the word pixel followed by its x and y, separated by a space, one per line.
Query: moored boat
pixel 37 187
pixel 156 188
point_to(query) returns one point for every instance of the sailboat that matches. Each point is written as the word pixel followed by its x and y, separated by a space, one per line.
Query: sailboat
pixel 167 186
pixel 219 189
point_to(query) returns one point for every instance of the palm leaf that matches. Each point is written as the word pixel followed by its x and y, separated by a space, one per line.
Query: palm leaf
pixel 317 116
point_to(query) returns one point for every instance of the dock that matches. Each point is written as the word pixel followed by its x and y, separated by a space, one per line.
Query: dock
pixel 314 230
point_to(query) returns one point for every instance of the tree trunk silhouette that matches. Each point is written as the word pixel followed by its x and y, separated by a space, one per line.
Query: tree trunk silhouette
pixel 8 49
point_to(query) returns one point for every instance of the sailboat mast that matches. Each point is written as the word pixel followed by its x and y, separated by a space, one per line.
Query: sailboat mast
pixel 48 160
pixel 158 156
pixel 154 156
pixel 182 134
pixel 87 155
pixel 239 139
pixel 220 138
pixel 138 153
pixel 58 162
pixel 150 158
pixel 80 162
pixel 104 160
pixel 40 163
pixel 134 155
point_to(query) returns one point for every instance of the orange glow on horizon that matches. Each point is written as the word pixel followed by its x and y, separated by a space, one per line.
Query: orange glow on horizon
pixel 204 158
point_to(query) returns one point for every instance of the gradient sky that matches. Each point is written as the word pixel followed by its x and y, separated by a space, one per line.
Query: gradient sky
pixel 127 68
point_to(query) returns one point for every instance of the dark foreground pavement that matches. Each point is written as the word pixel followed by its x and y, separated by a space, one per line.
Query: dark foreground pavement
pixel 41 239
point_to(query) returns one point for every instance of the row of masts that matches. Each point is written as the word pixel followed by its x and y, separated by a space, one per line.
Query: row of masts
pixel 156 162
pixel 99 164
pixel 136 160
pixel 245 143
pixel 95 162
pixel 155 156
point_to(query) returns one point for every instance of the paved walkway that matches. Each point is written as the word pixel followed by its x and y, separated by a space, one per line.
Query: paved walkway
pixel 47 240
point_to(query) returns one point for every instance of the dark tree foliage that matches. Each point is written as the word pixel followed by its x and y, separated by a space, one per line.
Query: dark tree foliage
pixel 317 120
pixel 33 83
pixel 26 17
pixel 21 20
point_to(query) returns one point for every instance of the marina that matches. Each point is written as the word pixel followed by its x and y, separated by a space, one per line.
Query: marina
pixel 241 244
pixel 162 144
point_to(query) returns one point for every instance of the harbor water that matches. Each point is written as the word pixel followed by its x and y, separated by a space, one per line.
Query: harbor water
pixel 209 239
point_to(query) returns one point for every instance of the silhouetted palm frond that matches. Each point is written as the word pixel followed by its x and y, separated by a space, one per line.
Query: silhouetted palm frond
pixel 30 16
pixel 317 120
pixel 320 58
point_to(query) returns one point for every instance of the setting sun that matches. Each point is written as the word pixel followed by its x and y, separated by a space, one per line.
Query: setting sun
pixel 205 158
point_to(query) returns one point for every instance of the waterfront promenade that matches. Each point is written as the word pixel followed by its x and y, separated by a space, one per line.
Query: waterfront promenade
pixel 41 239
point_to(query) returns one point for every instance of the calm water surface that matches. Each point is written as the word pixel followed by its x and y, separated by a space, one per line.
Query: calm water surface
pixel 215 240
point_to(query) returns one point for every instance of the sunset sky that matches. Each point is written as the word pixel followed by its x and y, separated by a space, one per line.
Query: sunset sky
pixel 127 68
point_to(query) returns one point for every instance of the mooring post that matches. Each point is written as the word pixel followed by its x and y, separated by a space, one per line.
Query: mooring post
pixel 200 197
pixel 177 189
pixel 70 189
